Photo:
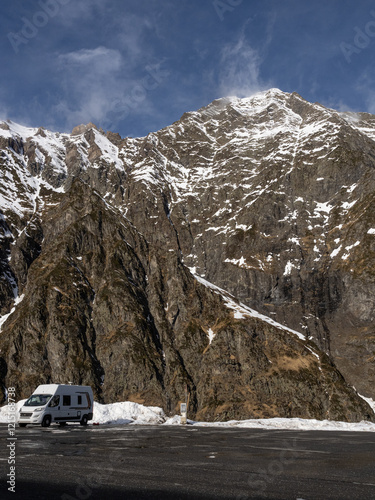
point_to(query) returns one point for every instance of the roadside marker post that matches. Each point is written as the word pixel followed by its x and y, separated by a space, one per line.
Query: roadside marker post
pixel 183 411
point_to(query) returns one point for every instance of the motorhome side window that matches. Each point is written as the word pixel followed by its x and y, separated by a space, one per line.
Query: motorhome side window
pixel 55 401
pixel 66 400
pixel 79 400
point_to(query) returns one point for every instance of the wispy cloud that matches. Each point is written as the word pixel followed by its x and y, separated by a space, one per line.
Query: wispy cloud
pixel 82 10
pixel 90 80
pixel 102 86
pixel 108 83
pixel 241 62
pixel 371 102
pixel 4 108
pixel 99 60
pixel 4 113
pixel 365 85
pixel 337 104
pixel 240 69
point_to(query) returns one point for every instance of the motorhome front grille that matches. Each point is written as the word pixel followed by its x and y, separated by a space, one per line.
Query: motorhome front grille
pixel 26 414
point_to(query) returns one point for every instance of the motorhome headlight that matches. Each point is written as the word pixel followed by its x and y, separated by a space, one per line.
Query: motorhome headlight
pixel 38 409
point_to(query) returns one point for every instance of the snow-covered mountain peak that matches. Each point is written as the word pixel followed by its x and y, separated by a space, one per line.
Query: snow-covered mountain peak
pixel 10 129
pixel 238 138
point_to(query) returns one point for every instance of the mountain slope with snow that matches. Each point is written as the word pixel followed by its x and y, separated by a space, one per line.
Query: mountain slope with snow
pixel 267 200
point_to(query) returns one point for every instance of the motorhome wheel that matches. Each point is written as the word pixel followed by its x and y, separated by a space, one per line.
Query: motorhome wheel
pixel 84 420
pixel 46 421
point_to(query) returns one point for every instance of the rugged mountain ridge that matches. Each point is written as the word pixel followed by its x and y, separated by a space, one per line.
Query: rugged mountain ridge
pixel 105 242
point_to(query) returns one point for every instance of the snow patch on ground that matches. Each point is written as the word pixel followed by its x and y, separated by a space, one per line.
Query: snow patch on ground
pixel 115 413
pixel 126 413
pixel 7 416
pixel 284 424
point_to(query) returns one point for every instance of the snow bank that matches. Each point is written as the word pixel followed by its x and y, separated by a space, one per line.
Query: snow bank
pixel 133 413
pixel 6 416
pixel 127 413
pixel 116 413
pixel 284 424
pixel 136 414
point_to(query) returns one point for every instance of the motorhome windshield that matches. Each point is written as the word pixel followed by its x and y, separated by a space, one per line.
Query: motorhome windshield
pixel 38 400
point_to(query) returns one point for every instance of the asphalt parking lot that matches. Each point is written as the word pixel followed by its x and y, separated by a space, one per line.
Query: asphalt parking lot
pixel 175 462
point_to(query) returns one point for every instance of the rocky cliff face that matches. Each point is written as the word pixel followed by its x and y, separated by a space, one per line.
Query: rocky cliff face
pixel 230 253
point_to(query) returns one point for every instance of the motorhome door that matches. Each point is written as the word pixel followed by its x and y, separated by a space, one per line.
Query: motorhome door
pixel 54 407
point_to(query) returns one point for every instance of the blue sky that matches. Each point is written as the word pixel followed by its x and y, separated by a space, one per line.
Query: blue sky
pixel 135 66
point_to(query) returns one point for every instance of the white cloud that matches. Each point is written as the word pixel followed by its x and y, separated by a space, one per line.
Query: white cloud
pixel 102 86
pixel 106 84
pixel 4 113
pixel 365 85
pixel 337 104
pixel 90 80
pixel 370 101
pixel 99 60
pixel 240 70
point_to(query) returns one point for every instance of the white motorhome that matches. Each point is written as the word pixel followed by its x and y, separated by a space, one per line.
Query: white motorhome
pixel 58 403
